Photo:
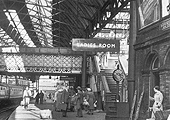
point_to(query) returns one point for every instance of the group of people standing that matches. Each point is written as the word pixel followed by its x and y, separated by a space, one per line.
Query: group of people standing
pixel 39 98
pixel 66 98
pixel 27 95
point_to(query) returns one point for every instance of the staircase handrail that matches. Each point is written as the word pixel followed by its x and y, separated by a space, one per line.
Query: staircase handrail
pixel 103 78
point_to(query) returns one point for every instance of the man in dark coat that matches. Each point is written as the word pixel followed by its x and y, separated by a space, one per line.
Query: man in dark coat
pixel 37 97
pixel 64 101
pixel 79 103
pixel 41 97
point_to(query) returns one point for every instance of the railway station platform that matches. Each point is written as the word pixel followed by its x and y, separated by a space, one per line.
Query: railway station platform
pixel 33 113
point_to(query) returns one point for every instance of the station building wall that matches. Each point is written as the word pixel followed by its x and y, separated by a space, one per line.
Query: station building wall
pixel 152 63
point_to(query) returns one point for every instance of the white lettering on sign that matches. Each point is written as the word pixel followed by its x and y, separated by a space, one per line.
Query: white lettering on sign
pixel 80 44
pixel 94 45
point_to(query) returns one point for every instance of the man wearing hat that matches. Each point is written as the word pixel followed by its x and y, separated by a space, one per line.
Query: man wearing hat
pixel 64 101
pixel 79 103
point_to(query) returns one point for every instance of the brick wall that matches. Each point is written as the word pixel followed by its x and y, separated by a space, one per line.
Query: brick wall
pixel 144 75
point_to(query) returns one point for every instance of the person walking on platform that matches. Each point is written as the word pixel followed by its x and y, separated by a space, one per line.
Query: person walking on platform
pixel 91 101
pixel 26 97
pixel 85 103
pixel 37 97
pixel 41 97
pixel 45 96
pixel 79 103
pixel 64 101
pixel 57 99
pixel 70 104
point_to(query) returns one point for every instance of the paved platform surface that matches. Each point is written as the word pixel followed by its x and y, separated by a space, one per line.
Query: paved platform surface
pixel 33 113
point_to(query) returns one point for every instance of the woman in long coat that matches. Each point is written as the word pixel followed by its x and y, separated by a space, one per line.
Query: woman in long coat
pixel 57 99
pixel 90 100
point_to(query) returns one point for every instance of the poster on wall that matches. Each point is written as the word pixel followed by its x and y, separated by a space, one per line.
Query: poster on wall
pixel 149 11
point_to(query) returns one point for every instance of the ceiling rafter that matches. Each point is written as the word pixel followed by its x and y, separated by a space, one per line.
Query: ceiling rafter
pixel 78 18
pixel 10 30
pixel 115 9
pixel 20 7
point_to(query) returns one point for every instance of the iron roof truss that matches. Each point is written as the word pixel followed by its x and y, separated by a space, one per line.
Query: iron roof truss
pixel 69 19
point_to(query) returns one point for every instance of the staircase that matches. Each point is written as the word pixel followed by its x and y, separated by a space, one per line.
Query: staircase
pixel 109 84
pixel 111 96
pixel 112 85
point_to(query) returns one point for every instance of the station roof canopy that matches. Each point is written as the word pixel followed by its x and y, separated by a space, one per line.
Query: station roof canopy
pixel 53 23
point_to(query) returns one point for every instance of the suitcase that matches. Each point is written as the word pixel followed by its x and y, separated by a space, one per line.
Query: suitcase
pixel 22 103
pixel 63 106
pixel 159 115
pixel 45 114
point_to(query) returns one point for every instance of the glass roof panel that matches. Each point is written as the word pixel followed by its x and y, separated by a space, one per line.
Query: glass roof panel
pixel 118 27
pixel 41 17
pixel 5 39
pixel 15 21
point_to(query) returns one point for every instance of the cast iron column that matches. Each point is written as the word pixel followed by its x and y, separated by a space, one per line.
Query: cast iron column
pixel 84 70
pixel 131 61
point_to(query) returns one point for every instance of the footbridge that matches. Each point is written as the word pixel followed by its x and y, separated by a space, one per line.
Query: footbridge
pixel 40 60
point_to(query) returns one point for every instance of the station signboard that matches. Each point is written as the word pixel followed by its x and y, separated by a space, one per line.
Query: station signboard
pixel 70 79
pixel 95 44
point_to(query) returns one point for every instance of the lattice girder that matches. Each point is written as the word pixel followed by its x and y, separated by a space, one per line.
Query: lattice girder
pixel 42 60
pixel 43 63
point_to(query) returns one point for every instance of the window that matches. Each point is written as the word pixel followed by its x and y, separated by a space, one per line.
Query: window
pixel 165 8
pixel 155 64
pixel 149 11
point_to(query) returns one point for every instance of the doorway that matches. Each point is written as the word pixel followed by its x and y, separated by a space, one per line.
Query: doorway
pixel 156 79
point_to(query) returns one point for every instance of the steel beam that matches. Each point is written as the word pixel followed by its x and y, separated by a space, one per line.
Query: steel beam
pixel 101 18
pixel 10 30
pixel 22 11
pixel 25 19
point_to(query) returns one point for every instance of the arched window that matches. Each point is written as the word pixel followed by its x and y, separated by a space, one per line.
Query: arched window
pixel 155 64
pixel 167 61
pixel 152 62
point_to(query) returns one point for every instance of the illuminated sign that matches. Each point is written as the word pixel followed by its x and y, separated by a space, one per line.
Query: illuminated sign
pixel 95 44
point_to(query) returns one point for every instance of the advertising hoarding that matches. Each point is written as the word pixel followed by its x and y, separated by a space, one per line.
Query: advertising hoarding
pixel 149 11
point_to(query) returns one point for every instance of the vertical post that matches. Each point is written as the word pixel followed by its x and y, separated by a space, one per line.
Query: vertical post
pixel 16 80
pixel 6 79
pixel 117 96
pixel 37 84
pixel 1 79
pixel 84 70
pixel 131 64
